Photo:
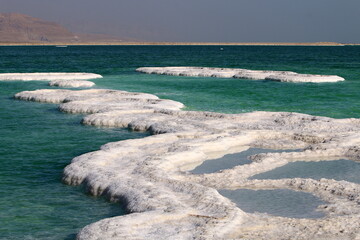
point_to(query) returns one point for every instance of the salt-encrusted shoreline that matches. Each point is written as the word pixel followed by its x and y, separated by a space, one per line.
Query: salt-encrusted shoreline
pixel 280 76
pixel 72 80
pixel 71 83
pixel 166 202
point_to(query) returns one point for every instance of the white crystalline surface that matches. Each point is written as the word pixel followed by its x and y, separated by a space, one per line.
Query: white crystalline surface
pixel 281 76
pixel 165 201
pixel 71 83
pixel 47 76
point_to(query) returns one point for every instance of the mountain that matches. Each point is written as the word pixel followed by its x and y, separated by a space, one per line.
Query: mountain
pixel 20 28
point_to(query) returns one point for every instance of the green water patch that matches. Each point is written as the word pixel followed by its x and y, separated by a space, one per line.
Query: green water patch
pixel 279 202
pixel 36 143
pixel 241 95
pixel 118 64
pixel 338 169
pixel 231 160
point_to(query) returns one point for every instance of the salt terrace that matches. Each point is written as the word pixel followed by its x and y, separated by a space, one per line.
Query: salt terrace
pixel 165 200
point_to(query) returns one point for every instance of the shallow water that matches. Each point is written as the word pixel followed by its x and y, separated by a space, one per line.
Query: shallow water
pixel 37 142
pixel 339 170
pixel 279 202
pixel 230 160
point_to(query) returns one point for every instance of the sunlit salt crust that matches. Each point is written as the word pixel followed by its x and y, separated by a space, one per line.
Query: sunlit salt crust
pixel 70 80
pixel 47 76
pixel 280 76
pixel 151 174
pixel 71 83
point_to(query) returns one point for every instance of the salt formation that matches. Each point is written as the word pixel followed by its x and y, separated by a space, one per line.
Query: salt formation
pixel 46 76
pixel 71 83
pixel 281 76
pixel 72 80
pixel 165 201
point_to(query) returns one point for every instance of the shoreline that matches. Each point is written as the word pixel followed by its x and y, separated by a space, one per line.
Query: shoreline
pixel 177 44
pixel 164 200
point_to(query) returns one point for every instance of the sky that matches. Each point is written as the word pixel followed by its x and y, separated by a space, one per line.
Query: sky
pixel 203 20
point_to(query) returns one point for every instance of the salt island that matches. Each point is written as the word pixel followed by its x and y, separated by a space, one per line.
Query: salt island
pixel 280 76
pixel 153 177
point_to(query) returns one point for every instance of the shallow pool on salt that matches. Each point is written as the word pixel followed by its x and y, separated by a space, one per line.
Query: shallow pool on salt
pixel 279 202
pixel 231 160
pixel 338 169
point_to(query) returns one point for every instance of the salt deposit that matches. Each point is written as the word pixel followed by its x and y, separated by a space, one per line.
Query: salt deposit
pixel 281 76
pixel 165 201
pixel 47 76
pixel 71 83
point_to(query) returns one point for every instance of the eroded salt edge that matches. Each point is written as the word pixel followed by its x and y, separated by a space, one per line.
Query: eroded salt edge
pixel 47 76
pixel 149 174
pixel 74 80
pixel 71 83
pixel 281 76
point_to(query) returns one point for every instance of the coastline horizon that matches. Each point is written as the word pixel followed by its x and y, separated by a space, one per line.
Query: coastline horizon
pixel 177 43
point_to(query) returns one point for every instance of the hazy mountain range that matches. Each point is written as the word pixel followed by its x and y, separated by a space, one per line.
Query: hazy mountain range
pixel 20 28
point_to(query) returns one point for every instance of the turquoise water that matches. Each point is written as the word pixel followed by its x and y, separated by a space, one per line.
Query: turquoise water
pixel 117 64
pixel 37 142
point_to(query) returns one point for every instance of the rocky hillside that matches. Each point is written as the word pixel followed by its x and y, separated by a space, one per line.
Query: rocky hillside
pixel 19 28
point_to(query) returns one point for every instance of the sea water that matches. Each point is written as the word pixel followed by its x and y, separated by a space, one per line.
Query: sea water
pixel 37 141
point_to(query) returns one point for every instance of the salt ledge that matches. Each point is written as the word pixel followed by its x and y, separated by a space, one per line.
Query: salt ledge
pixel 167 202
pixel 280 76
pixel 47 76
pixel 73 80
pixel 71 83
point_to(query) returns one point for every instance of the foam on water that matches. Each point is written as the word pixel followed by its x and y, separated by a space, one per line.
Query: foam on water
pixel 280 76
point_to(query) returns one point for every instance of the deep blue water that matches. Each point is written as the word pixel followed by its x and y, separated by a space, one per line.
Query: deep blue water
pixel 37 141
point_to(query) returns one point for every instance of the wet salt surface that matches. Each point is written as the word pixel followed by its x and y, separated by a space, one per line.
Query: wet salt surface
pixel 231 160
pixel 339 170
pixel 279 202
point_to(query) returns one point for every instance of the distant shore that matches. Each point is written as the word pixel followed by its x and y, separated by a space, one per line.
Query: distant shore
pixel 176 44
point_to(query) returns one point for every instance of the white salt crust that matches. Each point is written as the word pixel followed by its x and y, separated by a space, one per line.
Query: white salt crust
pixel 47 76
pixel 69 80
pixel 71 83
pixel 280 76
pixel 167 202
